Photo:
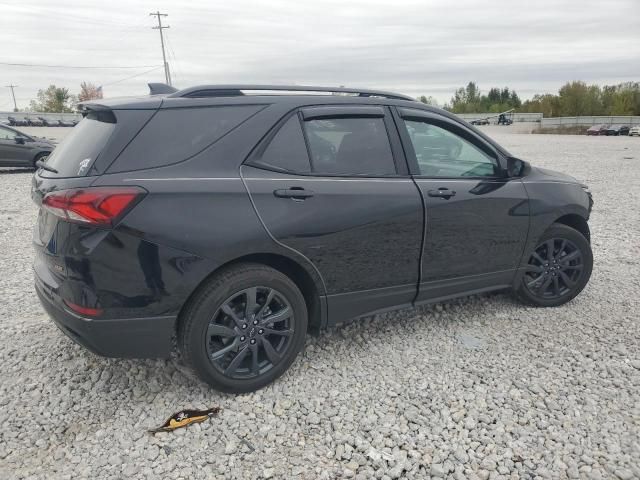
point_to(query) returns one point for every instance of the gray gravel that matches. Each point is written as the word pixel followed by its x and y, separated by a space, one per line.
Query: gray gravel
pixel 476 388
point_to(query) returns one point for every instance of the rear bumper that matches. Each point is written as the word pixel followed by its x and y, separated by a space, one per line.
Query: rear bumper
pixel 122 338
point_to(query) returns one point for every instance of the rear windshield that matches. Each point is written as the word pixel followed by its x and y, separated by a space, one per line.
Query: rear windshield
pixel 76 153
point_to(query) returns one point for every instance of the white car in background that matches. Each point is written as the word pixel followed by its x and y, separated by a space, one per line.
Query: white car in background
pixel 634 131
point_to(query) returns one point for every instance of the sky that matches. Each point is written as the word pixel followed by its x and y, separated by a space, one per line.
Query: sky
pixel 415 47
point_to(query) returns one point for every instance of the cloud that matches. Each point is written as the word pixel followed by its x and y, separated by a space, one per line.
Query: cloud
pixel 414 47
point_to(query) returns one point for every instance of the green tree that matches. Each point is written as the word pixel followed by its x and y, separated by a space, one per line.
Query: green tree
pixel 470 100
pixel 54 100
pixel 428 100
pixel 578 99
pixel 575 98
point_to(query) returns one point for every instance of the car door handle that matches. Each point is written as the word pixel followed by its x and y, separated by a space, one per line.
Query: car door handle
pixel 297 193
pixel 441 192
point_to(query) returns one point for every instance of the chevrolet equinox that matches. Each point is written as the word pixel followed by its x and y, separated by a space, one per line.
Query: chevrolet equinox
pixel 224 221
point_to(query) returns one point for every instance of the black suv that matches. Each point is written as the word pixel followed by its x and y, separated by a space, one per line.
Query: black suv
pixel 228 220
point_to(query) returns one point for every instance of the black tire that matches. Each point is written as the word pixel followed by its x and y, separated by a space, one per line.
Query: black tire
pixel 39 157
pixel 572 281
pixel 204 314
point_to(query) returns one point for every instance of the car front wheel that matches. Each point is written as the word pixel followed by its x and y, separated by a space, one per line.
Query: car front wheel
pixel 558 269
pixel 244 328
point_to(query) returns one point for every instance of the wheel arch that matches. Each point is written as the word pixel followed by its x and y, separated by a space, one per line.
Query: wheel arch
pixel 311 289
pixel 41 152
pixel 577 222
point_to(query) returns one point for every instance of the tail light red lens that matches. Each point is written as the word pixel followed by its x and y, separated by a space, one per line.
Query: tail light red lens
pixel 100 206
pixel 85 311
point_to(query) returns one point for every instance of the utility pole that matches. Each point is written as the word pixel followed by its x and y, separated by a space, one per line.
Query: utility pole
pixel 13 94
pixel 160 27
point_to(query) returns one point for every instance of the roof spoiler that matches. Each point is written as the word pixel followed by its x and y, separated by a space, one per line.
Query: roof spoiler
pixel 161 89
pixel 84 108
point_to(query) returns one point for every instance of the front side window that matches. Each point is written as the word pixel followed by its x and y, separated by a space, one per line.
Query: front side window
pixel 6 134
pixel 349 146
pixel 442 153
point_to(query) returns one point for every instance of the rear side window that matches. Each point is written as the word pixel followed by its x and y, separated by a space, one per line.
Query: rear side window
pixel 176 134
pixel 287 150
pixel 349 146
pixel 79 150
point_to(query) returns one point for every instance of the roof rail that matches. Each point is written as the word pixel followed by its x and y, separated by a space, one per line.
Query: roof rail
pixel 238 90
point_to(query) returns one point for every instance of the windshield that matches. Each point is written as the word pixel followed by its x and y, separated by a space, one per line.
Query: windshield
pixel 76 153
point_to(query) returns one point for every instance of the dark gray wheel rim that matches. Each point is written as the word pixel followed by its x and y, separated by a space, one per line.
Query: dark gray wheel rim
pixel 554 269
pixel 250 333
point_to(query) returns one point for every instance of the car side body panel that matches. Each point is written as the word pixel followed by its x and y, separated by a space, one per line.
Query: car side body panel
pixel 363 235
pixel 552 196
pixel 363 242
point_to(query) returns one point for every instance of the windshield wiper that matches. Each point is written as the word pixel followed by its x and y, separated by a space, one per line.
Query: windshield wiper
pixel 41 164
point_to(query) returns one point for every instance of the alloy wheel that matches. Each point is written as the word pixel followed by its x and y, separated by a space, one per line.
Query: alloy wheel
pixel 554 268
pixel 250 332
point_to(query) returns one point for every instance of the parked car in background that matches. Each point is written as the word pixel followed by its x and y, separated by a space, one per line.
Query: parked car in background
pixel 634 131
pixel 617 130
pixel 598 130
pixel 17 149
pixel 16 122
pixel 48 123
pixel 304 211
pixel 34 122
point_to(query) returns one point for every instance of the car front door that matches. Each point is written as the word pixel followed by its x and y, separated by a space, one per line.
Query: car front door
pixel 13 151
pixel 331 184
pixel 477 218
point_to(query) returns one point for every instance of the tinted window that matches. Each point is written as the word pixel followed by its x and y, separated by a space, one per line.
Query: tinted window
pixel 173 135
pixel 6 134
pixel 76 153
pixel 287 149
pixel 352 146
pixel 441 153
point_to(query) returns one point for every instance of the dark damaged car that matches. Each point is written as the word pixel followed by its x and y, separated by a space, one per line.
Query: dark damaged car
pixel 226 221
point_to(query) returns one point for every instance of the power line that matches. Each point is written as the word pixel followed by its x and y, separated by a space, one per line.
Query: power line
pixel 159 15
pixel 132 76
pixel 13 94
pixel 172 54
pixel 44 11
pixel 75 66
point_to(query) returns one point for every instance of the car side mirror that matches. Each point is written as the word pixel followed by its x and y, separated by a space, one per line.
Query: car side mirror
pixel 20 140
pixel 516 167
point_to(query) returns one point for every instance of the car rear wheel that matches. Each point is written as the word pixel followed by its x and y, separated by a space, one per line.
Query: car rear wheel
pixel 558 269
pixel 244 328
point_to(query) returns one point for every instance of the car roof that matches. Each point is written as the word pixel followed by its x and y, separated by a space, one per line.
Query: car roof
pixel 292 96
pixel 275 93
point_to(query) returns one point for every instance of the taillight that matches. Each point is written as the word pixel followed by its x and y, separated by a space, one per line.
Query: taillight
pixel 101 206
pixel 85 311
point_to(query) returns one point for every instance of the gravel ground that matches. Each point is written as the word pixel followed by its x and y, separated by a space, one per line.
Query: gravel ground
pixel 477 388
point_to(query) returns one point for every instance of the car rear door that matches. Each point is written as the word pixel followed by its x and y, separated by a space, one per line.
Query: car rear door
pixel 477 219
pixel 331 183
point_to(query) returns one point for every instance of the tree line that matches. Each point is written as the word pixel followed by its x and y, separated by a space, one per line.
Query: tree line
pixel 60 100
pixel 575 98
